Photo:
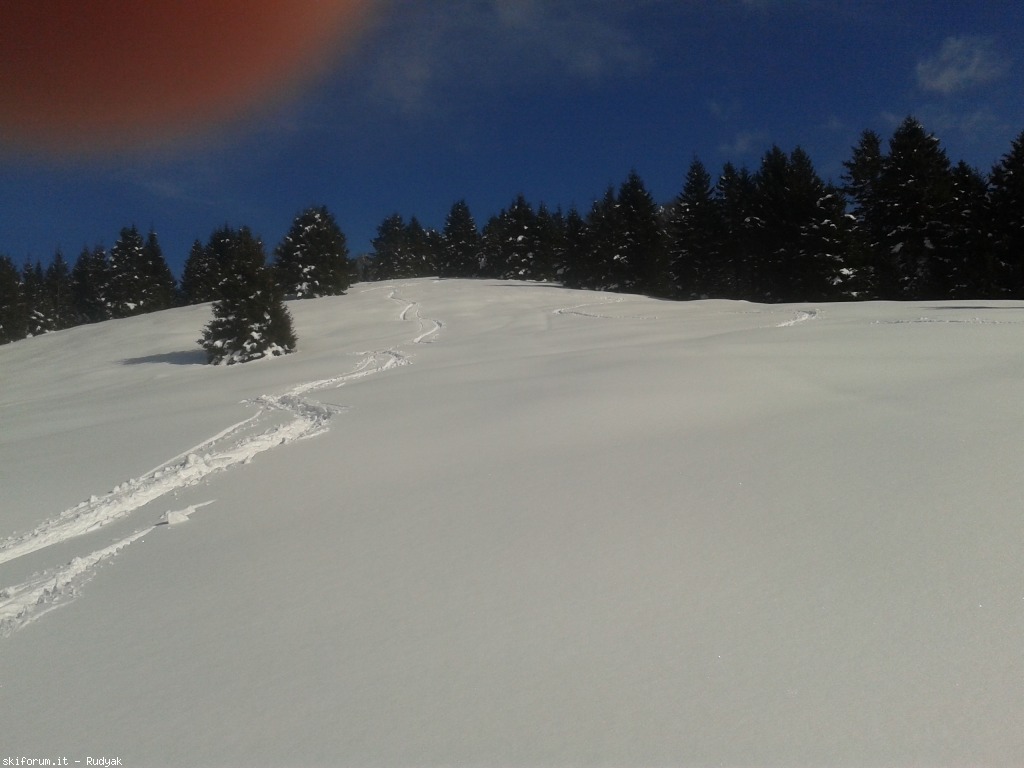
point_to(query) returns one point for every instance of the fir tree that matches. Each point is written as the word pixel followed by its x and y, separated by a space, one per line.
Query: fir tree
pixel 59 292
pixel 598 270
pixel 1006 217
pixel 312 259
pixel 736 193
pixel 519 244
pixel 89 285
pixel 801 231
pixel 460 246
pixel 915 187
pixel 201 275
pixel 125 286
pixel 37 300
pixel 861 184
pixel 157 287
pixel 250 320
pixel 694 227
pixel 389 249
pixel 572 257
pixel 13 307
pixel 639 262
pixel 964 264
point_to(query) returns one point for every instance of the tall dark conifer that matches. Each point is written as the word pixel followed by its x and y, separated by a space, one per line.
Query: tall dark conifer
pixel 13 306
pixel 1006 218
pixel 312 259
pixel 460 245
pixel 90 280
pixel 915 187
pixel 59 290
pixel 250 320
pixel 694 227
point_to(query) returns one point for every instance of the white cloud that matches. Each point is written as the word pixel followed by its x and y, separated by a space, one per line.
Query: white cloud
pixel 744 144
pixel 960 64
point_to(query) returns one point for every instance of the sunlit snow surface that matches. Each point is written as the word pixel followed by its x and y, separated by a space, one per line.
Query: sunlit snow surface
pixel 483 523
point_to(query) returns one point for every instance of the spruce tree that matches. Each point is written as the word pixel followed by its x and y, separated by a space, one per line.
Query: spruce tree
pixel 201 275
pixel 59 292
pixel 312 259
pixel 157 287
pixel 573 262
pixel 869 265
pixel 693 232
pixel 802 231
pixel 1006 217
pixel 736 193
pixel 915 187
pixel 250 320
pixel 639 263
pixel 90 285
pixel 13 307
pixel 389 249
pixel 460 245
pixel 964 264
pixel 37 300
pixel 520 247
pixel 126 288
pixel 601 271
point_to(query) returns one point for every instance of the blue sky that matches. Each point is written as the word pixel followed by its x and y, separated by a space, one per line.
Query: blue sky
pixel 555 99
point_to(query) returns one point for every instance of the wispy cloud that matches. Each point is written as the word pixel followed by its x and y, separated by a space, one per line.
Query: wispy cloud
pixel 961 64
pixel 431 50
pixel 744 144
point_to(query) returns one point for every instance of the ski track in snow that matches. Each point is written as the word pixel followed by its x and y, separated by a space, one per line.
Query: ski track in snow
pixel 235 445
pixel 577 309
pixel 802 316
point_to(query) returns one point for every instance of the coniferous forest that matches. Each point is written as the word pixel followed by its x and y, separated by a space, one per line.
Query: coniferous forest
pixel 903 223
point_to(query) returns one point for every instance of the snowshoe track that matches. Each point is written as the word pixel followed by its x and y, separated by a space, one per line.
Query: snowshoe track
pixel 237 444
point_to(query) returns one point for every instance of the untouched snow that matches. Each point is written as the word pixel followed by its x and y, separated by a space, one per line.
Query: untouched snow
pixel 487 523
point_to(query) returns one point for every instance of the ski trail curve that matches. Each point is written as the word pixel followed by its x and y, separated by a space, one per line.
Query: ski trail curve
pixel 578 310
pixel 237 444
pixel 802 316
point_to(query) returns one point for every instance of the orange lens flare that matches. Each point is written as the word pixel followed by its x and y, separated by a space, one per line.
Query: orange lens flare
pixel 93 75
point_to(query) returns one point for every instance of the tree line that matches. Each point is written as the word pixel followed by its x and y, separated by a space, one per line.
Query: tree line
pixel 904 223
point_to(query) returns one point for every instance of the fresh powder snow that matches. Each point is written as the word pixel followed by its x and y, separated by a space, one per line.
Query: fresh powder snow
pixel 505 523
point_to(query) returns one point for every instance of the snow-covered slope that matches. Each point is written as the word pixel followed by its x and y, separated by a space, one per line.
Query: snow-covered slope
pixel 483 523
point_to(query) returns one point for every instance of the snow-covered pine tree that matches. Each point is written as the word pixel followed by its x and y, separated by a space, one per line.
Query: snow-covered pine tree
pixel 460 246
pixel 1006 216
pixel 571 261
pixel 915 187
pixel 312 259
pixel 520 246
pixel 638 241
pixel 90 285
pixel 125 276
pixel 201 275
pixel 157 287
pixel 964 264
pixel 693 235
pixel 57 280
pixel 389 249
pixel 802 236
pixel 870 265
pixel 37 300
pixel 13 308
pixel 598 270
pixel 250 320
pixel 736 193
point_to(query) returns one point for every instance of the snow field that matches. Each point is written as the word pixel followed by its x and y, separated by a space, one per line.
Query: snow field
pixel 571 529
